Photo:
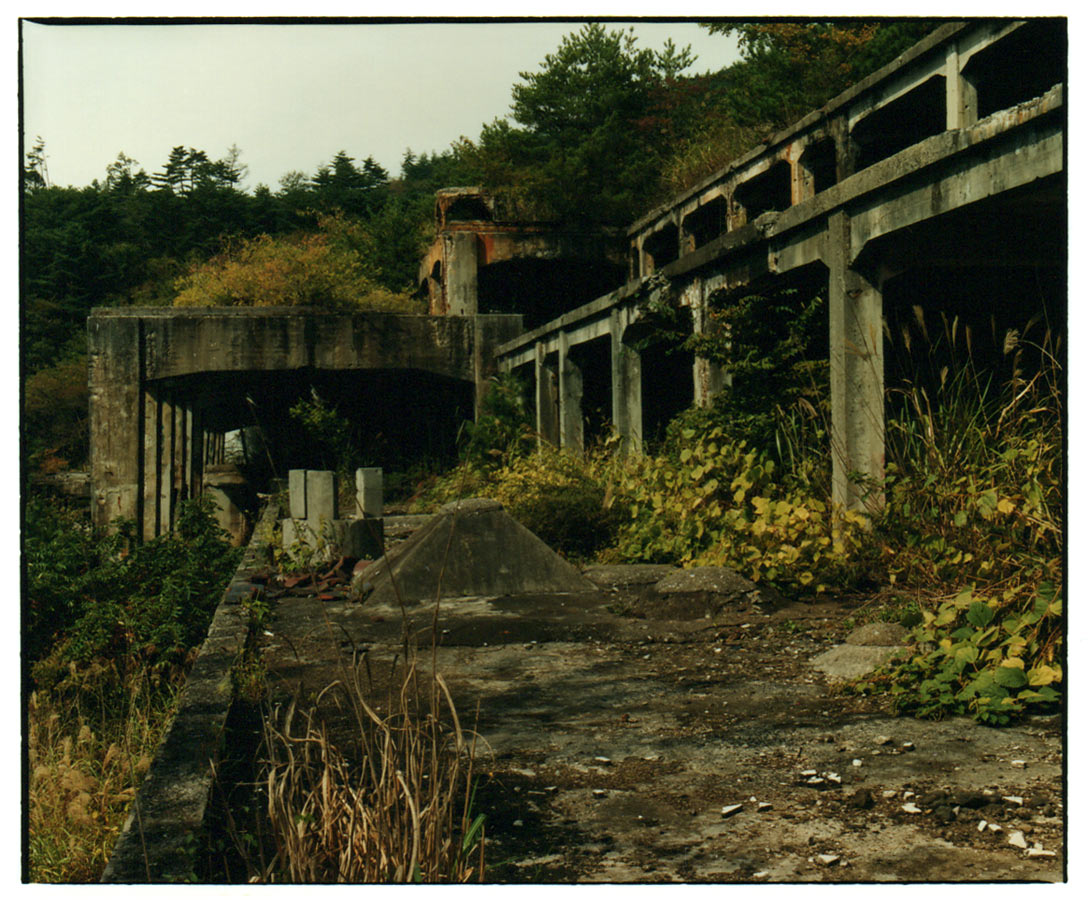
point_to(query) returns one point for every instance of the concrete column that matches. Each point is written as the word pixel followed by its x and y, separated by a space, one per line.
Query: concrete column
pixel 188 489
pixel 116 412
pixel 461 274
pixel 626 385
pixel 547 400
pixel 152 467
pixel 368 492
pixel 166 467
pixel 710 378
pixel 571 428
pixel 961 97
pixel 857 377
pixel 296 493
pixel 321 497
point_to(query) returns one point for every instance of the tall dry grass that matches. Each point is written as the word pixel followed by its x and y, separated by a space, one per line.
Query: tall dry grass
pixel 85 766
pixel 390 803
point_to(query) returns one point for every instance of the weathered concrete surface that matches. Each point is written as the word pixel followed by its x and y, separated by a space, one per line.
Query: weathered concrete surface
pixel 613 743
pixel 152 411
pixel 472 548
pixel 154 846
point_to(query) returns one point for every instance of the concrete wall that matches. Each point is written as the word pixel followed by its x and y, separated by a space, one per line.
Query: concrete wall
pixel 153 431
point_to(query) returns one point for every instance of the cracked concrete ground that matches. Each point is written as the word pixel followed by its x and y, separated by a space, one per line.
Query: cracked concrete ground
pixel 614 741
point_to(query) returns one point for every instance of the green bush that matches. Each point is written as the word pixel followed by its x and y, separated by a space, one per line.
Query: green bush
pixel 560 498
pixel 89 596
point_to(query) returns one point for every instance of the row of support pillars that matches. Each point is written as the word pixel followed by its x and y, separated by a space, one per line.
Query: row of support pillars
pixel 559 385
pixel 150 446
pixel 177 452
pixel 856 368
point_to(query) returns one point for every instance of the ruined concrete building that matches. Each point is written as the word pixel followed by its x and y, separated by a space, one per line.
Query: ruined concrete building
pixel 938 181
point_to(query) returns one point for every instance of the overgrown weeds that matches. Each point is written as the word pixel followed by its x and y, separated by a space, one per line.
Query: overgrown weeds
pixel 111 630
pixel 85 765
pixel 392 803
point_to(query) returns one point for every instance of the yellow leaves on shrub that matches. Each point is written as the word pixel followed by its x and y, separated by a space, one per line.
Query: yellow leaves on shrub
pixel 331 268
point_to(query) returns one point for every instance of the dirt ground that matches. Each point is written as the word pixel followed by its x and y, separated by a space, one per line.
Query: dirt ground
pixel 703 747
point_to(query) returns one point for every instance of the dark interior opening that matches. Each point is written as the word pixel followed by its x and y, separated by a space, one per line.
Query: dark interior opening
pixel 404 421
pixel 668 378
pixel 542 289
pixel 707 222
pixel 766 192
pixel 663 247
pixel 918 114
pixel 468 209
pixel 594 359
pixel 1024 65
pixel 819 161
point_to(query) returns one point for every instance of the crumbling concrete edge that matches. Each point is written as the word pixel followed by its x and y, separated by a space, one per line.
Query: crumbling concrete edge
pixel 157 843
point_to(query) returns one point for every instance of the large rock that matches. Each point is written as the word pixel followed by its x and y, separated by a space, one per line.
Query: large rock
pixel 471 548
pixel 707 590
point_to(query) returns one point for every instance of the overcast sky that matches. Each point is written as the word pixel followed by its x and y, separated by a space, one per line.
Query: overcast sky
pixel 289 96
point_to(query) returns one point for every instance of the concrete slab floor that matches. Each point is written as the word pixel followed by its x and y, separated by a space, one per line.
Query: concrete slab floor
pixel 614 741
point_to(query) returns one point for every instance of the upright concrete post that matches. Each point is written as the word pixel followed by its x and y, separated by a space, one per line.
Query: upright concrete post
pixel 547 399
pixel 626 385
pixel 296 493
pixel 368 492
pixel 166 467
pixel 321 499
pixel 461 273
pixel 709 377
pixel 961 96
pixel 571 433
pixel 857 377
pixel 152 466
pixel 116 412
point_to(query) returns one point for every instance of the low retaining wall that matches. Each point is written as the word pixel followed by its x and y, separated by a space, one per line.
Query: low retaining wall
pixel 156 842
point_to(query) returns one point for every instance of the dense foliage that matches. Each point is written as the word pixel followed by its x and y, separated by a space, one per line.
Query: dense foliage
pixel 108 634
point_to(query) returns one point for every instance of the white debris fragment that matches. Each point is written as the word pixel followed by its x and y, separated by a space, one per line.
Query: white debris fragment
pixel 815 779
pixel 994 827
pixel 910 808
pixel 856 763
pixel 1018 764
pixel 827 859
pixel 907 746
pixel 731 810
pixel 518 823
pixel 887 795
pixel 981 824
pixel 1034 852
pixel 881 739
pixel 761 874
pixel 808 773
pixel 763 806
pixel 551 789
pixel 908 794
pixel 1017 840
pixel 1015 801
pixel 833 777
pixel 602 760
pixel 599 792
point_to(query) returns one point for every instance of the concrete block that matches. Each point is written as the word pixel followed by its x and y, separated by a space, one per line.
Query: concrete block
pixel 368 492
pixel 296 489
pixel 360 538
pixel 320 497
